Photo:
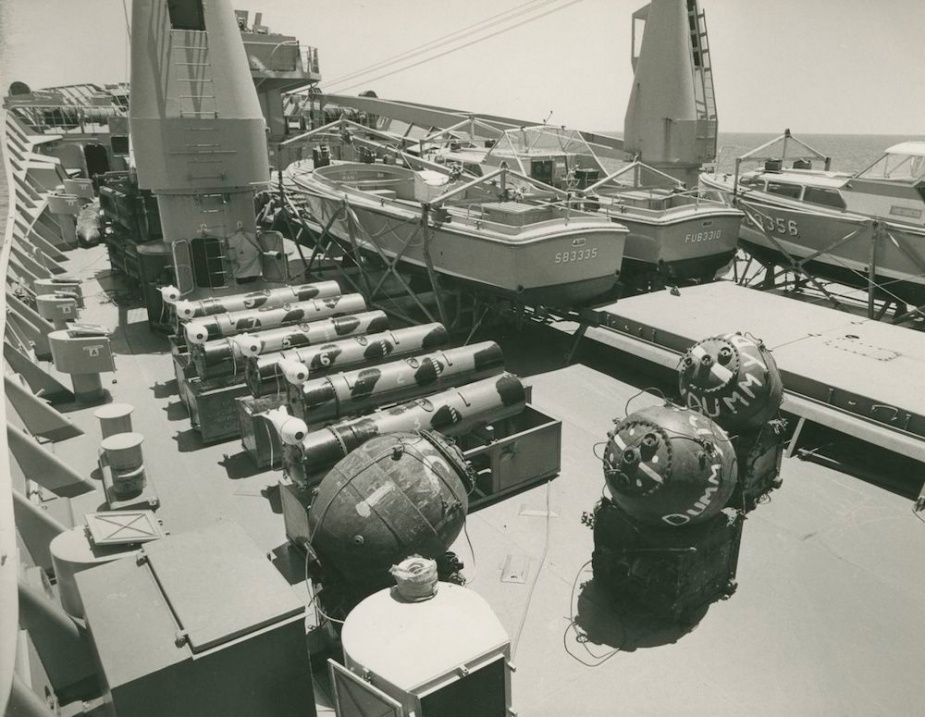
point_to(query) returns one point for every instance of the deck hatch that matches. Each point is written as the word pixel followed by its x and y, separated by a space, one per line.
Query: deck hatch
pixel 123 526
pixel 219 585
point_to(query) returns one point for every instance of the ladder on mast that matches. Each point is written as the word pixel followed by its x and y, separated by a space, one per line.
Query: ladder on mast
pixel 705 98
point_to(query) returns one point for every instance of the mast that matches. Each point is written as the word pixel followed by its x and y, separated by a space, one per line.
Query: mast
pixel 199 137
pixel 671 119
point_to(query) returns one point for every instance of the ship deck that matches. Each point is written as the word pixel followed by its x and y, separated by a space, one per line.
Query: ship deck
pixel 847 371
pixel 827 618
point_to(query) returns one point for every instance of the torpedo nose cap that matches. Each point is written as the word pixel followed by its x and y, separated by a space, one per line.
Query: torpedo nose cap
pixel 196 333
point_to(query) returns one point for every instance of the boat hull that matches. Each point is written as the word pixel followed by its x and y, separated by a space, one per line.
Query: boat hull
pixel 565 263
pixel 691 248
pixel 815 236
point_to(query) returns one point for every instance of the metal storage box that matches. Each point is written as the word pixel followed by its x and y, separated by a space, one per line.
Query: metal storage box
pixel 260 439
pixel 212 409
pixel 519 451
pixel 448 655
pixel 200 624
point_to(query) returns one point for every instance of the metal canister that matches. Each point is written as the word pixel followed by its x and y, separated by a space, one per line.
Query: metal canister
pixel 451 412
pixel 341 394
pixel 268 298
pixel 126 461
pixel 238 322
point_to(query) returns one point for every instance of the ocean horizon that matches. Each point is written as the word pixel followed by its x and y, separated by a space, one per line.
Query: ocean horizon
pixel 848 152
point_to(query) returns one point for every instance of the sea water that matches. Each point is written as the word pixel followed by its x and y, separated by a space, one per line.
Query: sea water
pixel 849 152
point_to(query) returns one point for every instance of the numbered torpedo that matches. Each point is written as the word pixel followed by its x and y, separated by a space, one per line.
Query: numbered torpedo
pixel 265 299
pixel 451 412
pixel 225 356
pixel 349 353
pixel 331 397
pixel 237 322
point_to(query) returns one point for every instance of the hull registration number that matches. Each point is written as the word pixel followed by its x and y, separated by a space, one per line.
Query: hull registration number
pixel 779 225
pixel 695 237
pixel 564 257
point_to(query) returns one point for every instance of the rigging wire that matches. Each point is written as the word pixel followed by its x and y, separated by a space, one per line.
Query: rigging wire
pixel 459 47
pixel 455 35
pixel 880 285
pixel 128 41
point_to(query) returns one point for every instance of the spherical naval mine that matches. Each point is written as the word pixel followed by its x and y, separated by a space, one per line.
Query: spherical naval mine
pixel 396 495
pixel 669 466
pixel 732 379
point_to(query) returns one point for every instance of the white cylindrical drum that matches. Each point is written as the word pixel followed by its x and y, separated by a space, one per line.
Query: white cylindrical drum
pixel 123 453
pixel 115 418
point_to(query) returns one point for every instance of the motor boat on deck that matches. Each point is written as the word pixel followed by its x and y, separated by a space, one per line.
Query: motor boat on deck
pixel 677 235
pixel 865 229
pixel 479 233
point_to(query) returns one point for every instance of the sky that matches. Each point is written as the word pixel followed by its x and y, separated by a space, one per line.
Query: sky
pixel 814 66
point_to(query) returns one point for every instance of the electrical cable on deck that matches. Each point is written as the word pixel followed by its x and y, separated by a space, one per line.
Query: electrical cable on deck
pixel 308 586
pixel 582 636
pixel 475 569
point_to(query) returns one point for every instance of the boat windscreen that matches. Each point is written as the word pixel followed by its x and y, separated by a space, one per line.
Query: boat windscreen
pixel 905 168
pixel 544 141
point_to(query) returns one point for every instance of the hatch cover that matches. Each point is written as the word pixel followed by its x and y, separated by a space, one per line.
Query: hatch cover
pixel 123 526
pixel 219 584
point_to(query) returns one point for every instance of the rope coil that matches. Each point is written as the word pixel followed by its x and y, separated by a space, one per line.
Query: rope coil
pixel 415 578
